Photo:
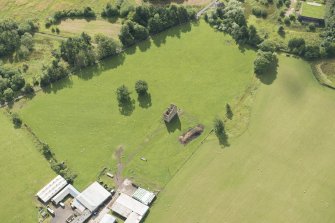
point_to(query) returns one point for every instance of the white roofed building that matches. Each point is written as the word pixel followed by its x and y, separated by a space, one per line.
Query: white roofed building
pixel 51 189
pixel 107 218
pixel 68 190
pixel 91 198
pixel 129 208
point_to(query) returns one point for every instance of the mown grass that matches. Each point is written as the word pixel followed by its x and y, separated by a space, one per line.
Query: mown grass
pixel 192 66
pixel 313 11
pixel 280 170
pixel 23 171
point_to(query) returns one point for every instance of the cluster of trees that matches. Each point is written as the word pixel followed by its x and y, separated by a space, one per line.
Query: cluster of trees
pixel 53 72
pixel 106 46
pixel 11 82
pixel 231 20
pixel 123 94
pixel 78 52
pixel 86 12
pixel 298 46
pixel 17 38
pixel 146 19
pixel 265 61
pixel 120 8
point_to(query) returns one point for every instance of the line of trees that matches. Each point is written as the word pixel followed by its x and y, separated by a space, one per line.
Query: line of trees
pixel 86 13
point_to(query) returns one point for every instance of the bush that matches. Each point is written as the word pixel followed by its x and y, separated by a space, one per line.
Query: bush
pixel 8 95
pixel 16 120
pixel 287 21
pixel 281 30
pixel 141 87
pixel 259 12
pixel 312 52
pixel 297 46
pixel 28 89
pixel 311 27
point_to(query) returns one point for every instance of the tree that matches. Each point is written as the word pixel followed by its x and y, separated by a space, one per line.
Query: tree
pixel 16 120
pixel 297 45
pixel 106 46
pixel 264 61
pixel 141 87
pixel 281 30
pixel 27 41
pixel 312 52
pixel 229 111
pixel 17 82
pixel 8 95
pixel 28 89
pixel 131 32
pixel 123 94
pixel 218 126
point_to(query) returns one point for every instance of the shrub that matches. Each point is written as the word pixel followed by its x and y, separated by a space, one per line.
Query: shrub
pixel 259 12
pixel 311 27
pixel 16 120
pixel 8 95
pixel 264 61
pixel 287 21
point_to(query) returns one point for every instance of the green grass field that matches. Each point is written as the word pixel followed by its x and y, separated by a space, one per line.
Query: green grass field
pixel 198 69
pixel 313 11
pixel 280 170
pixel 23 9
pixel 23 172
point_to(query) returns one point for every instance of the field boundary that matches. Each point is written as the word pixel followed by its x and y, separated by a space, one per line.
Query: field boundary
pixel 320 76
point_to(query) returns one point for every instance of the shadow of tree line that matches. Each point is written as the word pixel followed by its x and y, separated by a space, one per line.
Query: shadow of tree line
pixel 118 60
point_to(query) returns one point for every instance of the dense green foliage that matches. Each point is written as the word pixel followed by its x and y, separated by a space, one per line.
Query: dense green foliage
pixel 16 37
pixel 106 46
pixel 231 20
pixel 57 70
pixel 123 94
pixel 86 12
pixel 17 122
pixel 141 87
pixel 131 32
pixel 265 61
pixel 78 51
pixel 11 81
pixel 259 12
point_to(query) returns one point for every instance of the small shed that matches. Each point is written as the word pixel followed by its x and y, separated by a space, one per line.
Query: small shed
pixel 170 113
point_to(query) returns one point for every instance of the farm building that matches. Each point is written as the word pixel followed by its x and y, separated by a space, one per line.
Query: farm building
pixel 91 198
pixel 312 12
pixel 144 196
pixel 132 210
pixel 68 190
pixel 51 189
pixel 107 218
pixel 170 113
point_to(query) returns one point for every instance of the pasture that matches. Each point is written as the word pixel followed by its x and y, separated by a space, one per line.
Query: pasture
pixel 192 66
pixel 23 172
pixel 280 170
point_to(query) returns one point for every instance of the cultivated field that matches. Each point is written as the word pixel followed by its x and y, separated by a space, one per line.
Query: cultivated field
pixel 23 172
pixel 280 170
pixel 198 69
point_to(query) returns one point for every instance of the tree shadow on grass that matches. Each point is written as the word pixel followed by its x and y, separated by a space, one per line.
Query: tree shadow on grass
pixel 127 108
pixel 106 64
pixel 58 85
pixel 270 75
pixel 223 138
pixel 145 45
pixel 174 124
pixel 160 38
pixel 144 100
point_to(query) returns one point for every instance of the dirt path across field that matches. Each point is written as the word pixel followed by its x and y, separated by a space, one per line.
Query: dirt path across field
pixel 118 175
